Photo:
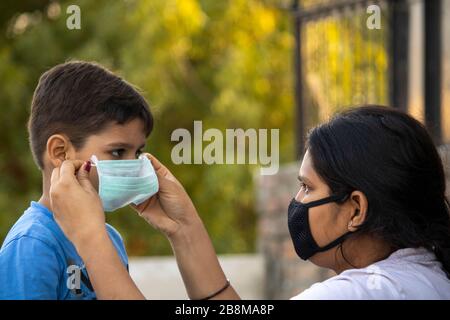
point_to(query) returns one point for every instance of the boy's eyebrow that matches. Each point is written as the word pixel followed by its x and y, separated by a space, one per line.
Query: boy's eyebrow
pixel 123 145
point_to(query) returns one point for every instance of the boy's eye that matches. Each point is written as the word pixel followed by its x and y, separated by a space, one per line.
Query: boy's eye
pixel 117 153
pixel 120 153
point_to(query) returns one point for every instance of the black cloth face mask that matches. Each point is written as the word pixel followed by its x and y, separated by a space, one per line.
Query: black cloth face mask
pixel 298 224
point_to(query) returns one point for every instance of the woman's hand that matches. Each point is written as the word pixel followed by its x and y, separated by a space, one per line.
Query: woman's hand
pixel 78 211
pixel 75 203
pixel 171 209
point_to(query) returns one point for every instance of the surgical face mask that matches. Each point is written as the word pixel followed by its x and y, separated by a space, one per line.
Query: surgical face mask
pixel 298 223
pixel 122 182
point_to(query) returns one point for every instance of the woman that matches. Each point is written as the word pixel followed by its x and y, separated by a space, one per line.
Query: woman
pixel 371 207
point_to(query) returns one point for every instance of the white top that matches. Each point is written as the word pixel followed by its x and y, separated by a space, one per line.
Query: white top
pixel 406 274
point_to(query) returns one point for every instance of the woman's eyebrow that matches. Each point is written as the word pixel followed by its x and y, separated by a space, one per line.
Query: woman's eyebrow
pixel 304 179
pixel 123 145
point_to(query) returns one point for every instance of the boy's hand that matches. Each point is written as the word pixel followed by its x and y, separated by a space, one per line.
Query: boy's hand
pixel 170 209
pixel 75 203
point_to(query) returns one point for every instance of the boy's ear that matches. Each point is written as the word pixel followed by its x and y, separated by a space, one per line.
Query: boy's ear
pixel 58 149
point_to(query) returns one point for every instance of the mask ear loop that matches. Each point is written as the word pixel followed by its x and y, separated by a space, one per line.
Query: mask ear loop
pixel 333 198
pixel 94 160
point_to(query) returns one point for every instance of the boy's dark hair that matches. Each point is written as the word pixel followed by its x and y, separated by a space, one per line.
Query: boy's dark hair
pixel 79 99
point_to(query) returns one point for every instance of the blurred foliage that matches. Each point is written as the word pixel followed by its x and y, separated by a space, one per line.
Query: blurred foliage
pixel 227 63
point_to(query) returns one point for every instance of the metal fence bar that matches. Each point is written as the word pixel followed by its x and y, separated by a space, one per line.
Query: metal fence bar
pixel 433 68
pixel 398 52
pixel 299 125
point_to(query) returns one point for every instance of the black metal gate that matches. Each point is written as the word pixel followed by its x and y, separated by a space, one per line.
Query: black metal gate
pixel 340 60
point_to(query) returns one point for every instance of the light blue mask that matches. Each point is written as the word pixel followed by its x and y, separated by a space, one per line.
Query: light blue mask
pixel 122 182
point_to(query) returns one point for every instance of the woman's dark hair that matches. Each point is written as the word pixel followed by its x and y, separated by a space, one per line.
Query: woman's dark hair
pixel 391 158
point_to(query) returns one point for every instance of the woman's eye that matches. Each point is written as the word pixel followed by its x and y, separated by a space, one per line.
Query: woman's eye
pixel 304 187
pixel 138 153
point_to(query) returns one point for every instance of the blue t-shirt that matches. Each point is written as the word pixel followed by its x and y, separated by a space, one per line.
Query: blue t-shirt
pixel 37 261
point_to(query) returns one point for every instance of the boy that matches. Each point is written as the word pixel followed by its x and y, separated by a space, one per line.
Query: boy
pixel 79 109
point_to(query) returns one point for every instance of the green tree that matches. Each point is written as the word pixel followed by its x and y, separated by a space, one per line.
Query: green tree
pixel 225 63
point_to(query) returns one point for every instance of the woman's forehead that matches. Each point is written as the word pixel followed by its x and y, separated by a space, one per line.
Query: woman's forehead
pixel 307 171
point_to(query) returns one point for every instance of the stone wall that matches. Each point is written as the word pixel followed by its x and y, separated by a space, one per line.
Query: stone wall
pixel 286 274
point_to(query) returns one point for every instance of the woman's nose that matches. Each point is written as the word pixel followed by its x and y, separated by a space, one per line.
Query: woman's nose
pixel 299 196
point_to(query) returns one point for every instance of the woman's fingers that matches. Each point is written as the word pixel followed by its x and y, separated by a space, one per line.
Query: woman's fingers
pixel 158 166
pixel 161 170
pixel 83 177
pixel 155 162
pixel 68 170
pixel 55 176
